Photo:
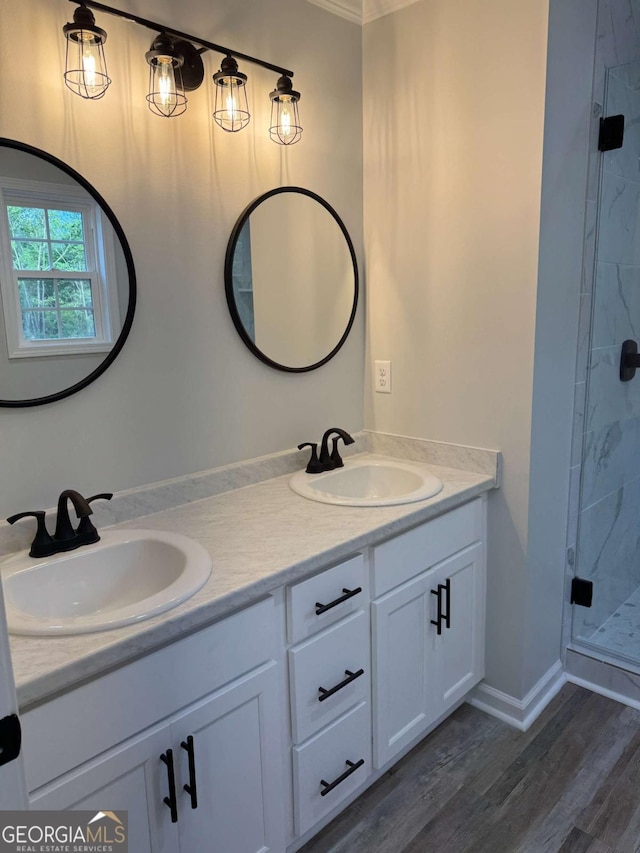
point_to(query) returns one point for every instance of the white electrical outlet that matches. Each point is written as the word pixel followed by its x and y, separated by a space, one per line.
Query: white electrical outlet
pixel 383 377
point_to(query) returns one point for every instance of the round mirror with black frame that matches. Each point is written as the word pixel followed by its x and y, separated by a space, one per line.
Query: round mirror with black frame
pixel 67 279
pixel 291 279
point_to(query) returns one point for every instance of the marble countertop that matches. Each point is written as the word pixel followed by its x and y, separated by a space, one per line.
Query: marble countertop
pixel 260 537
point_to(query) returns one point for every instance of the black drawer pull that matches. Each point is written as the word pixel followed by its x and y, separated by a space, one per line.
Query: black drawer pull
pixel 351 676
pixel 329 786
pixel 447 618
pixel 170 801
pixel 348 593
pixel 191 788
pixel 442 615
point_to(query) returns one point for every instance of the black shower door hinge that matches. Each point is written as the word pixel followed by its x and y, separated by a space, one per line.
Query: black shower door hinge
pixel 581 592
pixel 611 133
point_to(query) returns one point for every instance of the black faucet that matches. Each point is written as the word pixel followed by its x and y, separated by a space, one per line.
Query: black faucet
pixel 65 537
pixel 332 460
pixel 328 460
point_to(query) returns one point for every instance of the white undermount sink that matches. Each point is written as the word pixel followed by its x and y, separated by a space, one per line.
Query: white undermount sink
pixel 369 481
pixel 128 576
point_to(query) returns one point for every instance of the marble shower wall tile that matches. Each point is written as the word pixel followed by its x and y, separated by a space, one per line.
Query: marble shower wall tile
pixel 609 399
pixel 623 97
pixel 629 74
pixel 611 459
pixel 618 32
pixel 619 231
pixel 616 314
pixel 609 551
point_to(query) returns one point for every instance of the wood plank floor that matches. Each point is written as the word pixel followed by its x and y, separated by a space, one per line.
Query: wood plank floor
pixel 571 784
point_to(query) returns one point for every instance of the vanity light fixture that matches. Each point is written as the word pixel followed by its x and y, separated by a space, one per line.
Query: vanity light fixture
pixel 176 67
pixel 231 111
pixel 285 121
pixel 85 66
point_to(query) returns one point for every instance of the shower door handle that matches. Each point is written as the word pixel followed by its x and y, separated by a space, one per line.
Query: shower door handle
pixel 629 360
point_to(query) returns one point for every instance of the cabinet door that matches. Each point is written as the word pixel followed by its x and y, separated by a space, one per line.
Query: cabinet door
pixel 459 649
pixel 237 758
pixel 419 673
pixel 403 666
pixel 130 778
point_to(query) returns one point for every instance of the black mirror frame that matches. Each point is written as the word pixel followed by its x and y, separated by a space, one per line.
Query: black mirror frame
pixel 228 279
pixel 131 307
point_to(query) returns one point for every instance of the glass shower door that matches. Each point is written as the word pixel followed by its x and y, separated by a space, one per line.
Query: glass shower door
pixel 608 540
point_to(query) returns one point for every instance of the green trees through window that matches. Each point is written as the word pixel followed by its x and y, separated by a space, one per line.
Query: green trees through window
pixel 45 239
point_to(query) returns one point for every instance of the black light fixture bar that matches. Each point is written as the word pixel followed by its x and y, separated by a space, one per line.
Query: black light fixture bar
pixel 159 28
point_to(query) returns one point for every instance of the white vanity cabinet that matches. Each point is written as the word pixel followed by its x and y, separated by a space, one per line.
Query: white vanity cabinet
pixel 277 716
pixel 428 631
pixel 233 735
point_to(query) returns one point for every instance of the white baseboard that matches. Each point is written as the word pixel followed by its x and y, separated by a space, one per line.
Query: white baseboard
pixel 604 691
pixel 520 713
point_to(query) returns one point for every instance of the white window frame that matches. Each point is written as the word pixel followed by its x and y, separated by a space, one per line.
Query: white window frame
pixel 101 269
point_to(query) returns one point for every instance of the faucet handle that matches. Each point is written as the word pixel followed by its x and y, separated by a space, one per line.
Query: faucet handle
pixel 86 528
pixel 313 466
pixel 41 545
pixel 105 496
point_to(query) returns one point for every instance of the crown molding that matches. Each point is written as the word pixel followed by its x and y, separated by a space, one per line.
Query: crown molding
pixel 373 9
pixel 349 9
pixel 362 11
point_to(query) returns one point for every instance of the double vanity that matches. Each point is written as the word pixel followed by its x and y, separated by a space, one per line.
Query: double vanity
pixel 326 642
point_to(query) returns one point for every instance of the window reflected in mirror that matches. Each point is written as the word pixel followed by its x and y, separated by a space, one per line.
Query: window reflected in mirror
pixel 67 281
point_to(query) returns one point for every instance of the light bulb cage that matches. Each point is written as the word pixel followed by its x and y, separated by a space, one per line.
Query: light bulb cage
pixel 164 51
pixel 231 83
pixel 285 98
pixel 90 84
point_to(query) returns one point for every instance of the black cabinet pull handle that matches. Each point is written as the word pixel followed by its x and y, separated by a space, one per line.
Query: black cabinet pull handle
pixel 329 786
pixel 170 801
pixel 438 620
pixel 351 676
pixel 192 787
pixel 447 618
pixel 348 593
pixel 442 615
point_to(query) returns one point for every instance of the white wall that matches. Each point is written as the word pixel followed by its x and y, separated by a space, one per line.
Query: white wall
pixel 454 111
pixel 185 394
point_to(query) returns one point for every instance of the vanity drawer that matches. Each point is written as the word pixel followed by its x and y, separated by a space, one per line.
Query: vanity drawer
pixel 405 556
pixel 331 589
pixel 323 759
pixel 338 656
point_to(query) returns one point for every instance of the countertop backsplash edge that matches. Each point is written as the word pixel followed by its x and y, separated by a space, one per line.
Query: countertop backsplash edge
pixel 149 499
